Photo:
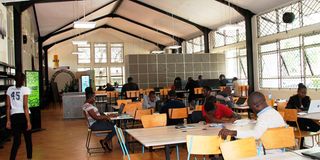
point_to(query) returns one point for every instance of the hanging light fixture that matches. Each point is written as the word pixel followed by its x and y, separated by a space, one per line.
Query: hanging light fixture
pixel 83 24
pixel 157 52
pixel 173 46
pixel 230 26
pixel 79 42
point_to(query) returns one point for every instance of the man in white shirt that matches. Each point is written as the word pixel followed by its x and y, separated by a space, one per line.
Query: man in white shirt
pixel 149 101
pixel 267 118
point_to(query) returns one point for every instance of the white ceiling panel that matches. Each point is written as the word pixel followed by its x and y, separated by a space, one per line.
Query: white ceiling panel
pixel 208 13
pixel 54 15
pixel 152 18
pixel 140 31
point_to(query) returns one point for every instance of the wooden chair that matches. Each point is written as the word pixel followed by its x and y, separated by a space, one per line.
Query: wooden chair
pixel 178 113
pixel 139 113
pixel 198 108
pixel 244 90
pixel 131 107
pixel 136 156
pixel 238 149
pixel 270 102
pixel 133 94
pixel 291 115
pixel 103 133
pixel 164 92
pixel 124 101
pixel 203 145
pixel 278 138
pixel 281 106
pixel 100 92
pixel 155 120
pixel 112 95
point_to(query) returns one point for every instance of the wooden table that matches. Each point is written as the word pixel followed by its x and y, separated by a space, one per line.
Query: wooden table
pixel 169 135
pixel 291 155
pixel 313 116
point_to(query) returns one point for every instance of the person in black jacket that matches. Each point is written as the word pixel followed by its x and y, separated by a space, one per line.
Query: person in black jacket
pixel 191 84
pixel 172 103
pixel 301 102
pixel 130 86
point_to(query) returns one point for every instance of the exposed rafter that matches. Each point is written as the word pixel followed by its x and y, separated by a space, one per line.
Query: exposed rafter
pixel 116 7
pixel 244 12
pixel 103 26
pixel 36 18
pixel 58 30
pixel 201 28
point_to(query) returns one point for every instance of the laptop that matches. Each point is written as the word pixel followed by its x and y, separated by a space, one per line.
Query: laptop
pixel 121 109
pixel 241 101
pixel 314 106
pixel 312 154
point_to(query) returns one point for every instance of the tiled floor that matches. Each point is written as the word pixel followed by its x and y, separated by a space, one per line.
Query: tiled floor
pixel 65 140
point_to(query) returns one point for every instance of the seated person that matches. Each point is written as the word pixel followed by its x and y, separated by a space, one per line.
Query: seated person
pixel 191 84
pixel 218 113
pixel 222 80
pixel 149 101
pixel 109 87
pixel 207 92
pixel 172 103
pixel 130 86
pixel 301 102
pixel 225 97
pixel 267 118
pixel 235 86
pixel 98 122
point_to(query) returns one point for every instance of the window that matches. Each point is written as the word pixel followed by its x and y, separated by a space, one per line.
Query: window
pixel 225 37
pixel 83 69
pixel 306 12
pixel 116 75
pixel 116 53
pixel 100 76
pixel 84 57
pixel 100 53
pixel 285 63
pixel 195 45
pixel 236 64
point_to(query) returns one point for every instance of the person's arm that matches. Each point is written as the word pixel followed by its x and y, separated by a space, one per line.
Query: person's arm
pixel 145 102
pixel 291 104
pixel 96 117
pixel 213 119
pixel 26 112
pixel 8 108
pixel 307 104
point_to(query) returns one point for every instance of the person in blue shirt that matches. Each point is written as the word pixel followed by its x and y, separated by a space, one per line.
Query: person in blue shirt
pixel 172 102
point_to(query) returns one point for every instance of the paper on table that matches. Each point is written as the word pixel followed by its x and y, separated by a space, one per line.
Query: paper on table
pixel 242 122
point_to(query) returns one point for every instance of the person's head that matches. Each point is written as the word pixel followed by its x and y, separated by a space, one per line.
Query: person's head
pixel 206 91
pixel 209 106
pixel 152 96
pixel 227 90
pixel 257 102
pixel 302 90
pixel 109 85
pixel 190 79
pixel 88 91
pixel 222 77
pixel 90 98
pixel 200 77
pixel 130 79
pixel 172 94
pixel 234 79
pixel 20 78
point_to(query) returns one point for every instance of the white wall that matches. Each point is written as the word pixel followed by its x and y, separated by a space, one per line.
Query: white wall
pixel 4 41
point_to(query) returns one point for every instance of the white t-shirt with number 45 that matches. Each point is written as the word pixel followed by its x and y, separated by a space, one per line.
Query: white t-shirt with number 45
pixel 16 98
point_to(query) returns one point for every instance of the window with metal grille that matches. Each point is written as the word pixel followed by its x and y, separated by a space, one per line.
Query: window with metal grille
pixel 100 53
pixel 101 77
pixel 195 45
pixel 236 64
pixel 306 12
pixel 116 53
pixel 84 55
pixel 287 62
pixel 116 75
pixel 224 37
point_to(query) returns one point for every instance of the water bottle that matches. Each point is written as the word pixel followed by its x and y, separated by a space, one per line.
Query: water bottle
pixel 270 95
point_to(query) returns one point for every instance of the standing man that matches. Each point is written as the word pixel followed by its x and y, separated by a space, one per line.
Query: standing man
pixel 130 86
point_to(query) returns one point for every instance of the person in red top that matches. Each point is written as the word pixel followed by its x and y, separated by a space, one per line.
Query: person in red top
pixel 214 112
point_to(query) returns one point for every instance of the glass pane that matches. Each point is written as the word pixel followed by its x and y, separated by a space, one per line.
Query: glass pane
pixel 189 47
pixel 267 24
pixel 100 71
pixel 269 66
pixel 118 80
pixel 290 83
pixel 243 67
pixel 100 52
pixel 291 64
pixel 313 57
pixel 84 57
pixel 269 83
pixel 116 71
pixel 231 36
pixel 100 81
pixel 310 12
pixel 83 69
pixel 242 31
pixel 117 45
pixel 231 53
pixel 231 67
pixel 268 47
pixel 116 53
pixel 294 8
pixel 290 43
pixel 313 82
pixel 314 39
pixel 218 39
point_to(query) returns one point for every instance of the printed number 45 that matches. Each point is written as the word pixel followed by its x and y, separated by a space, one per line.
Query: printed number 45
pixel 15 95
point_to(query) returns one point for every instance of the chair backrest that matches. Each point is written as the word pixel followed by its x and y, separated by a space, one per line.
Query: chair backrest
pixel 198 108
pixel 178 113
pixel 203 145
pixel 100 92
pixel 281 113
pixel 154 120
pixel 122 142
pixel 198 90
pixel 238 149
pixel 130 108
pixel 281 106
pixel 86 117
pixel 141 112
pixel 291 115
pixel 277 138
pixel 124 101
pixel 164 92
pixel 112 94
pixel 133 94
pixel 270 102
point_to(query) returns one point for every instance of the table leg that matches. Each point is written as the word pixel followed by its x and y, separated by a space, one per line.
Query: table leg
pixel 167 152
